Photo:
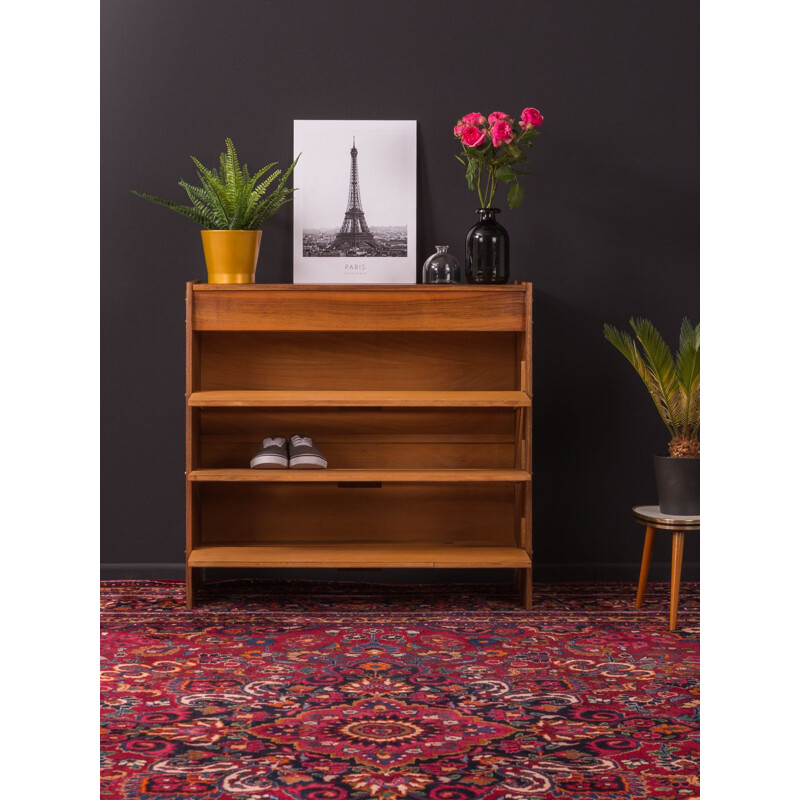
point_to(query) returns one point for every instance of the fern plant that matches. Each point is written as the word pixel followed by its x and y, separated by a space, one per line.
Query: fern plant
pixel 673 383
pixel 229 198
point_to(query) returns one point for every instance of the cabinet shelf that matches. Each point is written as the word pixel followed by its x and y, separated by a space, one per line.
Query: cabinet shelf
pixel 357 399
pixel 344 555
pixel 360 475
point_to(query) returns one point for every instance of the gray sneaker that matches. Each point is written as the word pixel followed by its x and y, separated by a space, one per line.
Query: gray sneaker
pixel 303 454
pixel 272 454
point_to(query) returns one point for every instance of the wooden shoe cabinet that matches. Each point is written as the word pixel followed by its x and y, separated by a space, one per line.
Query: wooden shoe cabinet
pixel 418 396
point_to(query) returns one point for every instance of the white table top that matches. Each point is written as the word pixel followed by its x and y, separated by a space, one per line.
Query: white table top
pixel 653 514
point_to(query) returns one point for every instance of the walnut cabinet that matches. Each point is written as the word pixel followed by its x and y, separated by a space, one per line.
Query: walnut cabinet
pixel 418 396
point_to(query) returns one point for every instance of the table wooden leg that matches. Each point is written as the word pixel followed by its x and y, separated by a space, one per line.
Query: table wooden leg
pixel 647 554
pixel 677 561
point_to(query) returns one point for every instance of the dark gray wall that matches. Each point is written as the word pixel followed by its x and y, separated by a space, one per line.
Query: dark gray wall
pixel 609 228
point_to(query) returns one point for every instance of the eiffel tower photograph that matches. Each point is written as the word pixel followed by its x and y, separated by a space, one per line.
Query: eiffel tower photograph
pixel 354 236
pixel 358 193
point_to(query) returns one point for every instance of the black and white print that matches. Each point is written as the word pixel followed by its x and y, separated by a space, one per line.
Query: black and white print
pixel 355 208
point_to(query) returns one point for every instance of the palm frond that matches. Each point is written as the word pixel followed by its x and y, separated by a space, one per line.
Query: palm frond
pixel 627 346
pixel 687 363
pixel 673 383
pixel 661 368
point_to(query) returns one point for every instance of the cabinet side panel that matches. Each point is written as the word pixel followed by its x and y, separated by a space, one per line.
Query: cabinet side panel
pixel 528 414
pixel 192 427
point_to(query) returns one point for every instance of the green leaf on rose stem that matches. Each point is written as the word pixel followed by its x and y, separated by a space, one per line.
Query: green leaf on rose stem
pixel 472 168
pixel 513 150
pixel 516 194
pixel 458 158
pixel 505 174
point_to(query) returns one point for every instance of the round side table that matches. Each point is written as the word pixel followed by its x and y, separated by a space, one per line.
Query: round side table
pixel 652 517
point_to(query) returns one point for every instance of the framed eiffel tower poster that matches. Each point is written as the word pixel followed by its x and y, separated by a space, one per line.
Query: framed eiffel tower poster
pixel 355 211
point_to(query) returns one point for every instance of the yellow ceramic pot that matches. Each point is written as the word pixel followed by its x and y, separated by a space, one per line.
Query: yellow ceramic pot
pixel 231 256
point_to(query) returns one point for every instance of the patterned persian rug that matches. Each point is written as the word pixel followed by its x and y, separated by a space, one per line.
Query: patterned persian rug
pixel 309 691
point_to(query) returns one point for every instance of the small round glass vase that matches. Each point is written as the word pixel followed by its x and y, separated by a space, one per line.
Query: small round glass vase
pixel 441 267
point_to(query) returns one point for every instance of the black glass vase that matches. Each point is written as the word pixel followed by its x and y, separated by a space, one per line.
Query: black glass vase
pixel 486 258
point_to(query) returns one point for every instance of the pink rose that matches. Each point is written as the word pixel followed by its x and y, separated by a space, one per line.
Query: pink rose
pixel 530 118
pixel 472 136
pixel 458 129
pixel 496 116
pixel 502 133
pixel 475 118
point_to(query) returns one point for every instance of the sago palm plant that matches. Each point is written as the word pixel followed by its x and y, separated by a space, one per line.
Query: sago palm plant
pixel 673 383
pixel 229 198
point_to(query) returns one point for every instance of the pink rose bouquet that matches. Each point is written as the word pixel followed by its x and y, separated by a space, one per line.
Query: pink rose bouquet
pixel 491 150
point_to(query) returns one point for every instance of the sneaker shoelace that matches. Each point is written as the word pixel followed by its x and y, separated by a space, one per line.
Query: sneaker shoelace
pixel 278 441
pixel 302 441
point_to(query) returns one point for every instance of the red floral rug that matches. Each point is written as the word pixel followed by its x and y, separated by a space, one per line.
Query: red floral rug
pixel 309 691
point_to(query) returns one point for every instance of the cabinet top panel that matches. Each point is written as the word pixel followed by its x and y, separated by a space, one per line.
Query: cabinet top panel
pixel 364 287
pixel 288 307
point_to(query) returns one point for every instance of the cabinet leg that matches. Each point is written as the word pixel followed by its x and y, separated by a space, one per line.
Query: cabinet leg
pixel 527 588
pixel 194 577
pixel 647 554
pixel 675 588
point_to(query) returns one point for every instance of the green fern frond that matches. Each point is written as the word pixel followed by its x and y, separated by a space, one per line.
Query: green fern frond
pixel 262 171
pixel 187 211
pixel 267 207
pixel 204 204
pixel 229 198
pixel 216 187
pixel 258 191
pixel 235 183
pixel 287 174
pixel 262 187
